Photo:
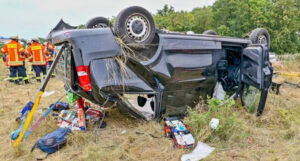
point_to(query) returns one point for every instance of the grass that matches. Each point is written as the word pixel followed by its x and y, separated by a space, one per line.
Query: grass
pixel 200 118
pixel 240 136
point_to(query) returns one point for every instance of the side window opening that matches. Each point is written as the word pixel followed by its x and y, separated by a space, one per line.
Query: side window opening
pixel 229 68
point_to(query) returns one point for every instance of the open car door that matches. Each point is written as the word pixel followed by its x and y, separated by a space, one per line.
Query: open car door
pixel 256 77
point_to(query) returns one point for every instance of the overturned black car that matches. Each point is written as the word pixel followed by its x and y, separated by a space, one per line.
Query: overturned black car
pixel 153 73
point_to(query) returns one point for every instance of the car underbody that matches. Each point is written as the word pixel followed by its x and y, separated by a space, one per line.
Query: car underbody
pixel 163 78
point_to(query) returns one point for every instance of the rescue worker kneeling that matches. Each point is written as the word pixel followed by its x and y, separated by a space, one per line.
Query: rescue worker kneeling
pixel 36 52
pixel 15 60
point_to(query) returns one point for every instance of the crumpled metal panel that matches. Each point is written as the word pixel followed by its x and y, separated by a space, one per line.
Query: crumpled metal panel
pixel 109 77
pixel 88 44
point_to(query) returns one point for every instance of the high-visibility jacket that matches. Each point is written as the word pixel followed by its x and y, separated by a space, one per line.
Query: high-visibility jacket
pixel 50 52
pixel 36 52
pixel 14 51
pixel 50 47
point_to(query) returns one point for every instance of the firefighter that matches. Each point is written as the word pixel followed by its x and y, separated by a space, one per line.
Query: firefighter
pixel 49 54
pixel 28 43
pixel 30 70
pixel 15 55
pixel 36 52
pixel 25 77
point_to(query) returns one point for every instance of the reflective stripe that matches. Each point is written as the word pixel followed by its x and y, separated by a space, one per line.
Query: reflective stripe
pixel 16 55
pixel 15 63
pixel 41 54
pixel 15 78
pixel 38 63
pixel 2 50
pixel 29 71
pixel 37 47
pixel 25 78
pixel 289 74
pixel 12 46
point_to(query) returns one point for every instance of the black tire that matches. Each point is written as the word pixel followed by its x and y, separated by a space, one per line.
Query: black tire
pixel 210 32
pixel 260 36
pixel 98 22
pixel 135 25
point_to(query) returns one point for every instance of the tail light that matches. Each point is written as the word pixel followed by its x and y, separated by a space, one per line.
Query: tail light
pixel 83 73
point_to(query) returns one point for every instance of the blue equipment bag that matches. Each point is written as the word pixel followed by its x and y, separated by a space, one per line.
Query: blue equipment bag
pixel 26 108
pixel 53 141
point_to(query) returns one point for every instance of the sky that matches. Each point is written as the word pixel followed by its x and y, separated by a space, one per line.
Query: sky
pixel 35 18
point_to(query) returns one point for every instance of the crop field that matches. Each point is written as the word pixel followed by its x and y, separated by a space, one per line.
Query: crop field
pixel 275 136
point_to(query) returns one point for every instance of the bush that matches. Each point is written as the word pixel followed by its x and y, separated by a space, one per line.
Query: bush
pixel 229 124
pixel 1 45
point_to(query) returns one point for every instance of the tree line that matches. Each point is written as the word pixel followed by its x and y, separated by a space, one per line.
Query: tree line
pixel 237 18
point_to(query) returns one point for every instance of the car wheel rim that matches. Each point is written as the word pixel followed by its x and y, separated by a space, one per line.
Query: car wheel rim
pixel 138 28
pixel 262 39
pixel 100 25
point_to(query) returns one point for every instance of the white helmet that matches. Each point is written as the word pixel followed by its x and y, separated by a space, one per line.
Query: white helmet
pixel 14 37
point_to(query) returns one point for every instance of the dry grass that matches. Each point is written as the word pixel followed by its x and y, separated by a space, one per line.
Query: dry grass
pixel 274 136
pixel 290 65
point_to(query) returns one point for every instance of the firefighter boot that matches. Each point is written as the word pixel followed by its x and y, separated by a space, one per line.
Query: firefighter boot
pixel 26 81
pixel 17 82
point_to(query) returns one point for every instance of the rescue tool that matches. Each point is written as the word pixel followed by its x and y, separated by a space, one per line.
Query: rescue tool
pixel 37 99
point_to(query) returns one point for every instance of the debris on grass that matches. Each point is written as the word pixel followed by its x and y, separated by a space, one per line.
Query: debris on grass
pixel 178 132
pixel 214 123
pixel 48 93
pixel 201 151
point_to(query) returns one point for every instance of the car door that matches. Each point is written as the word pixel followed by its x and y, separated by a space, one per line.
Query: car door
pixel 256 68
pixel 256 76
